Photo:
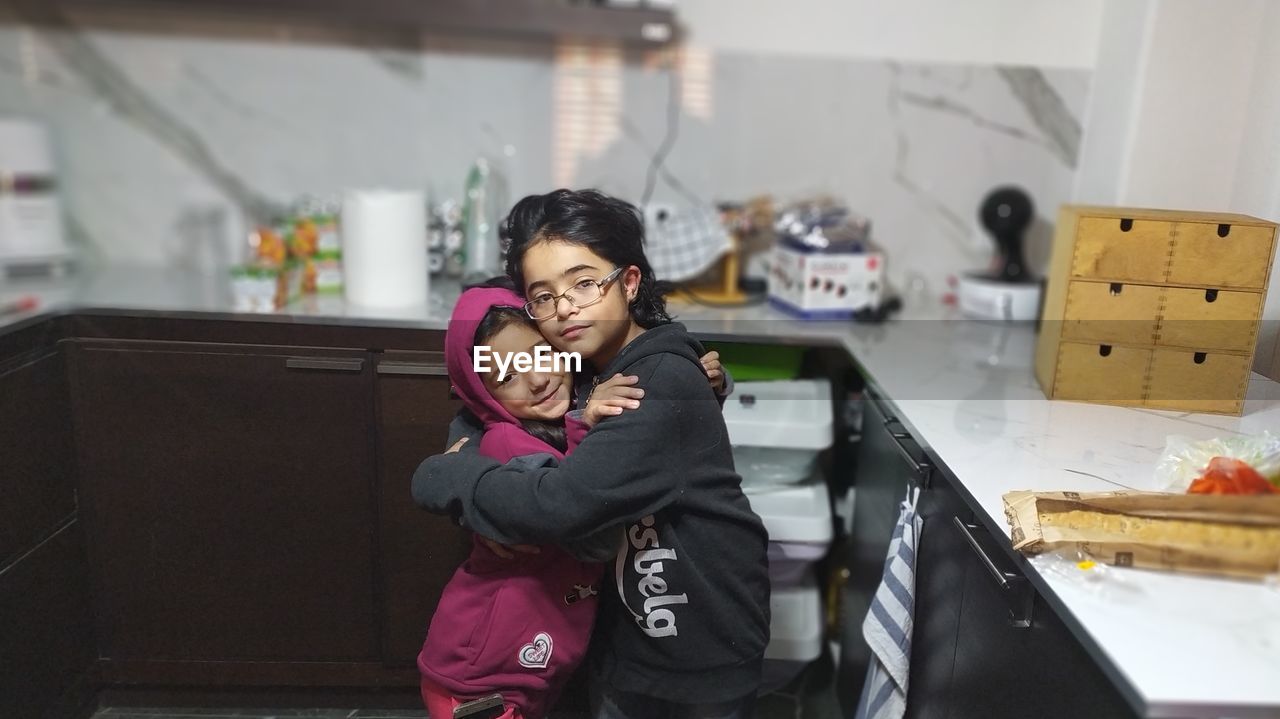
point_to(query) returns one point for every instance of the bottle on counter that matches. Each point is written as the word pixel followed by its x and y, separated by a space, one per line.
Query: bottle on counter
pixel 481 251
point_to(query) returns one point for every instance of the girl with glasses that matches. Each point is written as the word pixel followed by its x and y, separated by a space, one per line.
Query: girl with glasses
pixel 683 627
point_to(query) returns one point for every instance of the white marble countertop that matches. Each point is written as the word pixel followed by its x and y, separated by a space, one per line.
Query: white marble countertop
pixel 1185 646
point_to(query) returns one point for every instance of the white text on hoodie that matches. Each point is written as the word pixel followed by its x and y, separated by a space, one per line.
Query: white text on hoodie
pixel 650 561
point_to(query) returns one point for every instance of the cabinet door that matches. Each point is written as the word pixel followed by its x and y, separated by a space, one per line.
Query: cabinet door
pixel 46 637
pixel 227 493
pixel 939 596
pixel 887 465
pixel 418 551
pixel 1002 670
pixel 46 630
pixel 37 474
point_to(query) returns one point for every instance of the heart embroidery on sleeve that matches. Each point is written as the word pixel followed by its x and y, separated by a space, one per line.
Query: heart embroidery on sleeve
pixel 537 654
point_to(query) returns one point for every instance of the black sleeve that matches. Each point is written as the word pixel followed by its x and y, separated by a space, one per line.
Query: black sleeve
pixel 726 390
pixel 627 467
pixel 465 424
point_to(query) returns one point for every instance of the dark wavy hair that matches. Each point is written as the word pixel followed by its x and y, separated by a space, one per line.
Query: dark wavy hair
pixel 494 321
pixel 610 227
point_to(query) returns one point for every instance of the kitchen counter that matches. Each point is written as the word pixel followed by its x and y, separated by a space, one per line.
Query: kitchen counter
pixel 1179 646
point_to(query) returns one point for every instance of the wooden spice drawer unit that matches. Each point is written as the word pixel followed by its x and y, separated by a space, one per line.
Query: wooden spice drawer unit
pixel 1154 308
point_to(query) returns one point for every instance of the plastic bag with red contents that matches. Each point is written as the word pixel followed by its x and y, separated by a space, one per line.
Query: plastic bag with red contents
pixel 1208 465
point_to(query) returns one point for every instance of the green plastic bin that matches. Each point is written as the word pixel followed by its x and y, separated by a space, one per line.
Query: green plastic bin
pixel 755 362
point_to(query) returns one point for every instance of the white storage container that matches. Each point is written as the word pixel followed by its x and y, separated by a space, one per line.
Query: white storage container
pixel 778 428
pixel 799 521
pixel 795 633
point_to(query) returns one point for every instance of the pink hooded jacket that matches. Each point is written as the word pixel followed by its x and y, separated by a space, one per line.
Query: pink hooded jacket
pixel 516 626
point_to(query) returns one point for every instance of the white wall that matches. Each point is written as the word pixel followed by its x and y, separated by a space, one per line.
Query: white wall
pixel 1257 181
pixel 1109 121
pixel 1193 104
pixel 1185 99
pixel 1042 33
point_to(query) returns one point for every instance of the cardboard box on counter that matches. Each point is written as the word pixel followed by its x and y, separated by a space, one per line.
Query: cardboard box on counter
pixel 825 285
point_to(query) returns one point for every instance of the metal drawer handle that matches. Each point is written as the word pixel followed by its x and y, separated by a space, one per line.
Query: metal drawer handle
pixel 412 368
pixel 1020 608
pixel 966 529
pixel 325 363
pixel 921 467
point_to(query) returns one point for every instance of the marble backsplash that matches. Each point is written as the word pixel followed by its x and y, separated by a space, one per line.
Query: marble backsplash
pixel 163 119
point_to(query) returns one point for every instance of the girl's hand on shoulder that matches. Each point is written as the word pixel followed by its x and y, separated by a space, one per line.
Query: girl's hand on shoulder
pixel 611 397
pixel 715 371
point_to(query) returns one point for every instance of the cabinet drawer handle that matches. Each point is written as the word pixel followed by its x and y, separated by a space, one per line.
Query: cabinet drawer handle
pixel 413 368
pixel 967 531
pixel 1020 607
pixel 921 467
pixel 325 363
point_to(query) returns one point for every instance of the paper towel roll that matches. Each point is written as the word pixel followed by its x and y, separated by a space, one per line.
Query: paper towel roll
pixel 384 248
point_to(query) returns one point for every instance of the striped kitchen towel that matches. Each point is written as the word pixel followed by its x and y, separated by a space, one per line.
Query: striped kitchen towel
pixel 887 627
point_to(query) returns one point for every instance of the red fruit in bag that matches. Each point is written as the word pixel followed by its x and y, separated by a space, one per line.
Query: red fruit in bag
pixel 1226 475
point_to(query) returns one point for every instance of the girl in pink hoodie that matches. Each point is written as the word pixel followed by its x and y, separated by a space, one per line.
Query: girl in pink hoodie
pixel 521 626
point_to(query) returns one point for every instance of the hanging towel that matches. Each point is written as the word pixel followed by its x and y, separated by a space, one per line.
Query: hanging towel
pixel 887 627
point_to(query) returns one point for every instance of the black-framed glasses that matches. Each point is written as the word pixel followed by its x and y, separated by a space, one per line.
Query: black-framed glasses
pixel 584 293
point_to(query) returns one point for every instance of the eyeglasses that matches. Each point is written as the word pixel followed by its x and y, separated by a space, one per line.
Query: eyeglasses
pixel 583 294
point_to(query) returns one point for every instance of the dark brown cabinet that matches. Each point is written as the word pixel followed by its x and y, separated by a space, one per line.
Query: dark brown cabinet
pixel 1014 656
pixel 420 551
pixel 46 638
pixel 887 466
pixel 939 582
pixel 206 503
pixel 227 500
pixel 37 474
